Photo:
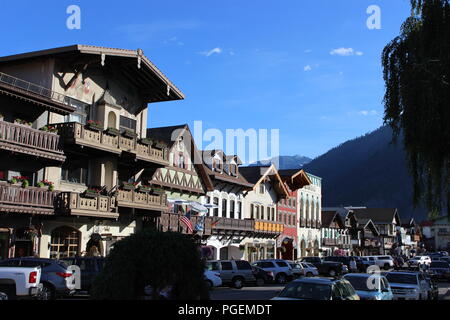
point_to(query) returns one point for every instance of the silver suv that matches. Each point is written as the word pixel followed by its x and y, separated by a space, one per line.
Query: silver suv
pixel 233 272
pixel 282 271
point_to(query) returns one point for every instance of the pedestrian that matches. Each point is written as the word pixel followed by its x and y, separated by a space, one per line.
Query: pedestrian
pixel 353 266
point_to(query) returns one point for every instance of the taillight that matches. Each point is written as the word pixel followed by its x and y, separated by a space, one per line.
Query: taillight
pixel 33 277
pixel 64 274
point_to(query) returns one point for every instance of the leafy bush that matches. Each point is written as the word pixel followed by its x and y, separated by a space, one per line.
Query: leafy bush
pixel 156 259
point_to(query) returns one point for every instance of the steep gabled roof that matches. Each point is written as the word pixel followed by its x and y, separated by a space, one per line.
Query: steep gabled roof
pixel 378 215
pixel 329 216
pixel 256 174
pixel 169 135
pixel 295 179
pixel 153 84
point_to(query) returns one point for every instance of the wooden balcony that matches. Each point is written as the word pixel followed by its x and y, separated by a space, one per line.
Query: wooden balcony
pixel 141 200
pixel 267 229
pixel 229 228
pixel 75 204
pixel 26 140
pixel 171 222
pixel 78 134
pixel 35 94
pixel 26 200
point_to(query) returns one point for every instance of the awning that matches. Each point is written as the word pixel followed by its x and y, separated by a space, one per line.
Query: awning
pixel 211 206
pixel 178 201
pixel 197 207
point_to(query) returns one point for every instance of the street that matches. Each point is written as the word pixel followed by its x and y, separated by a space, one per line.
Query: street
pixel 268 292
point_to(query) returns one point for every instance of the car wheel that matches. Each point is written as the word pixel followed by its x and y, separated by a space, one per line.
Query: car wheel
pixel 260 282
pixel 309 274
pixel 7 292
pixel 281 278
pixel 47 293
pixel 208 284
pixel 332 273
pixel 238 283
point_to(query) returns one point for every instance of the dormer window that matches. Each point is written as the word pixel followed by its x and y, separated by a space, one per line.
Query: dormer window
pixel 217 165
pixel 181 161
pixel 233 169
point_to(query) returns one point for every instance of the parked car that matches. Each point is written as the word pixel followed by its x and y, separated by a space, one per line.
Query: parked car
pixel 386 262
pixel 331 268
pixel 262 277
pixel 297 270
pixel 370 286
pixel 440 270
pixel 281 269
pixel 20 282
pixel 309 270
pixel 90 268
pixel 407 285
pixel 236 273
pixel 212 279
pixel 419 260
pixel 57 280
pixel 366 262
pixel 346 261
pixel 318 289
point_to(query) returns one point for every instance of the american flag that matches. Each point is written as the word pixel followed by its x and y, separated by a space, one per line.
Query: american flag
pixel 187 222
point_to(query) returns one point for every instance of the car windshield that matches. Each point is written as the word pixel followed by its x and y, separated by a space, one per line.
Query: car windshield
pixel 363 283
pixel 307 291
pixel 402 278
pixel 212 266
pixel 295 266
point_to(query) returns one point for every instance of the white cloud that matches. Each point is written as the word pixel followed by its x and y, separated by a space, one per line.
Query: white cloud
pixel 210 52
pixel 367 113
pixel 345 52
pixel 307 68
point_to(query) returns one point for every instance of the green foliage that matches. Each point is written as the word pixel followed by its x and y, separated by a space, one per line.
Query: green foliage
pixel 154 258
pixel 417 76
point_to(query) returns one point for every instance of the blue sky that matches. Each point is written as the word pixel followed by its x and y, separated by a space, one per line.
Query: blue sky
pixel 241 64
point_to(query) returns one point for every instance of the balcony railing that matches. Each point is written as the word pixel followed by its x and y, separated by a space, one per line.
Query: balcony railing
pixel 141 200
pixel 35 90
pixel 24 139
pixel 76 204
pixel 26 200
pixel 229 224
pixel 268 227
pixel 80 134
pixel 329 241
pixel 171 222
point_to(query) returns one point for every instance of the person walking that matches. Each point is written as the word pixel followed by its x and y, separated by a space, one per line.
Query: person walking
pixel 353 266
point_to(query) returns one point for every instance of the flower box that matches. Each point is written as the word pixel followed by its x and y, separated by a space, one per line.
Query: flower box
pixel 158 191
pixel 129 185
pixel 144 189
pixel 94 125
pixel 129 134
pixel 23 122
pixel 91 193
pixel 146 141
pixel 49 129
pixel 112 131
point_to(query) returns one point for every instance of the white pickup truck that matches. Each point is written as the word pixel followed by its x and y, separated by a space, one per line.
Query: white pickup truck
pixel 20 282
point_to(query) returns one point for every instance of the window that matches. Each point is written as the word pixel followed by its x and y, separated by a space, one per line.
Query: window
pixel 127 123
pixel 224 208
pixel 64 243
pixel 261 188
pixel 226 265
pixel 257 212
pixel 216 209
pixel 232 209
pixel 217 164
pixel 181 161
pixel 233 169
pixel 81 111
pixel 75 171
pixel 282 264
pixel 252 211
pixel 239 210
pixel 273 214
pixel 243 265
pixel 268 214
